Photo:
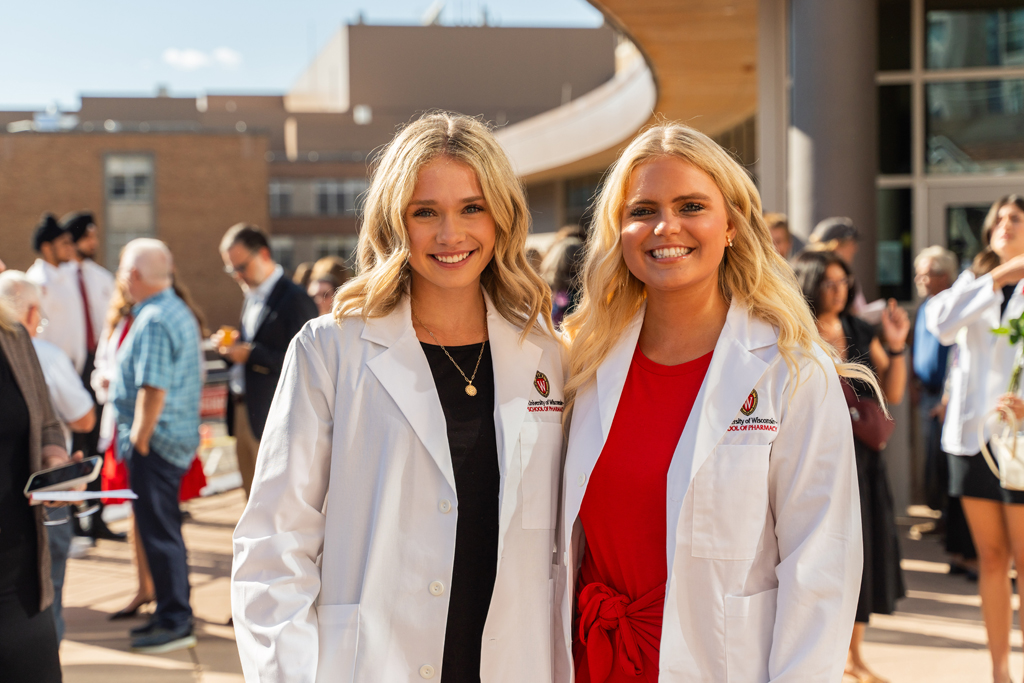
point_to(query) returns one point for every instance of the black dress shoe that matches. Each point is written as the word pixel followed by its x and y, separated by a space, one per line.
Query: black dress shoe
pixel 100 530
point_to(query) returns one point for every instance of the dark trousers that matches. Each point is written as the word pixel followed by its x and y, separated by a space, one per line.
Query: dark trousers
pixel 59 538
pixel 28 644
pixel 157 482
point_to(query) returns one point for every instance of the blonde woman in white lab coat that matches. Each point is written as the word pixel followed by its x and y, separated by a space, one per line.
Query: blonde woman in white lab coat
pixel 708 414
pixel 402 516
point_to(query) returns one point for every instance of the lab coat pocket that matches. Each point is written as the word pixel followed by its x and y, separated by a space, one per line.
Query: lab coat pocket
pixel 540 449
pixel 749 624
pixel 730 502
pixel 338 627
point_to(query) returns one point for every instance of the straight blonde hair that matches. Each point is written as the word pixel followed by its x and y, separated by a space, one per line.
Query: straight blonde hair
pixel 518 293
pixel 751 271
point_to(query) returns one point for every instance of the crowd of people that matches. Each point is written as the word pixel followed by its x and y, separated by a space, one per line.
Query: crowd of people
pixel 614 460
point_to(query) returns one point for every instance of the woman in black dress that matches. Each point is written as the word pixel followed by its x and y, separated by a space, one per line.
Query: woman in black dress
pixel 826 282
pixel 30 440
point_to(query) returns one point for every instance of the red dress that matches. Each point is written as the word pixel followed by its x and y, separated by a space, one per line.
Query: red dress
pixel 621 587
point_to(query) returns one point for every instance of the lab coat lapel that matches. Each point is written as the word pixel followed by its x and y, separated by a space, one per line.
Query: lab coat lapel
pixel 515 368
pixel 733 373
pixel 403 370
pixel 611 375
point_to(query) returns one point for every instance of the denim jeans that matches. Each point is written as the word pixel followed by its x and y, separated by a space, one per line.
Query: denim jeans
pixel 156 482
pixel 59 536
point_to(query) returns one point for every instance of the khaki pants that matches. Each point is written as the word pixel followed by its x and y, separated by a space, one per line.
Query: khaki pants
pixel 246 446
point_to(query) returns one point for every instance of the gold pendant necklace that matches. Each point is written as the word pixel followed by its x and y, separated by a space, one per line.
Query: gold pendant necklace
pixel 470 389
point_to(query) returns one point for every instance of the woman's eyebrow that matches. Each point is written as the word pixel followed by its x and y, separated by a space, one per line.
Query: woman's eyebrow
pixel 431 202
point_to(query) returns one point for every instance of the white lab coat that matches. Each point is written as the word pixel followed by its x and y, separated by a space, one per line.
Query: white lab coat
pixel 763 538
pixel 344 553
pixel 965 314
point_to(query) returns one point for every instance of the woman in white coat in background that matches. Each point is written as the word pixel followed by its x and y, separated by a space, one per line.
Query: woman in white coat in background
pixel 402 516
pixel 985 297
pixel 710 528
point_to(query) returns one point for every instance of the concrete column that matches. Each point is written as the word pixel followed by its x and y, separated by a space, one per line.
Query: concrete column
pixel 773 100
pixel 833 129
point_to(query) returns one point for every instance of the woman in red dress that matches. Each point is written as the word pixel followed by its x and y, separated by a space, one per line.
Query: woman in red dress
pixel 710 522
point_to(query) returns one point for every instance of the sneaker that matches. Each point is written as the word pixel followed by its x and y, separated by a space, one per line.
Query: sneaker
pixel 137 631
pixel 160 640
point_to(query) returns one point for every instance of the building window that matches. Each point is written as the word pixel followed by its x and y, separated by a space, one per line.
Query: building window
pixel 961 35
pixel 975 126
pixel 129 198
pixel 280 199
pixel 895 244
pixel 340 197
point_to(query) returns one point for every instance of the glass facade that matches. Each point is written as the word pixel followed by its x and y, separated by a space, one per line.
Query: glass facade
pixel 895 243
pixel 961 35
pixel 894 129
pixel 963 231
pixel 894 35
pixel 975 126
pixel 129 195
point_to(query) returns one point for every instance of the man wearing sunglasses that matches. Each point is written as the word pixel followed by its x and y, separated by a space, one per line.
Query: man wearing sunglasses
pixel 274 311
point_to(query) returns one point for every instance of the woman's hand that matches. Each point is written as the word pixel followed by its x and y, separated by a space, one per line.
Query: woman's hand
pixel 1009 403
pixel 1008 273
pixel 895 327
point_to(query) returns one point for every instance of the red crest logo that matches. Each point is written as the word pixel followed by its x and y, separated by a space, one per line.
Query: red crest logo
pixel 750 404
pixel 540 381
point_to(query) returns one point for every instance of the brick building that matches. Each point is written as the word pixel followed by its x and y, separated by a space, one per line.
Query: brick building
pixel 184 169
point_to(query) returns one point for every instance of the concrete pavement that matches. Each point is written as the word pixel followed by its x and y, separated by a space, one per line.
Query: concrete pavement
pixel 936 636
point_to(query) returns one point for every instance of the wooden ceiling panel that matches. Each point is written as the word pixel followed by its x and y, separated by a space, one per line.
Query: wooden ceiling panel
pixel 703 54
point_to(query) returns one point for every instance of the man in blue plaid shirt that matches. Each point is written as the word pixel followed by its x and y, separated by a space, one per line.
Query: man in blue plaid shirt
pixel 156 395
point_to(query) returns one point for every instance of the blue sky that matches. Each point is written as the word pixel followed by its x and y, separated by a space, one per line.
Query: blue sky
pixel 61 49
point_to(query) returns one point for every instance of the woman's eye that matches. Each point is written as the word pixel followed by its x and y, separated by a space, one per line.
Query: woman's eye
pixel 638 211
pixel 473 208
pixel 692 207
pixel 423 213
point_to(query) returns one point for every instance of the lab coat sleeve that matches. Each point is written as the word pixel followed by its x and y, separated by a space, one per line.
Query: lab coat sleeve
pixel 960 305
pixel 813 493
pixel 275 577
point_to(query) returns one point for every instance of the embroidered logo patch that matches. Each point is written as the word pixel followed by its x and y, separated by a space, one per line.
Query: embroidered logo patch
pixel 750 404
pixel 541 382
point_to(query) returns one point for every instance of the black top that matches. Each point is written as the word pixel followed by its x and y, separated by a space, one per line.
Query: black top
pixel 17 522
pixel 474 450
pixel 1007 293
pixel 859 336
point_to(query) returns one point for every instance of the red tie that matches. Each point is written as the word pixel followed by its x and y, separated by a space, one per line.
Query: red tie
pixel 90 338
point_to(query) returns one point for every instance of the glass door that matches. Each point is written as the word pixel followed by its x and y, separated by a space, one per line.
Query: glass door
pixel 956 215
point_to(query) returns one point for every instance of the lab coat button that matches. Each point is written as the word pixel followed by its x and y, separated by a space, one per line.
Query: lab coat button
pixel 436 588
pixel 582 479
pixel 445 506
pixel 426 671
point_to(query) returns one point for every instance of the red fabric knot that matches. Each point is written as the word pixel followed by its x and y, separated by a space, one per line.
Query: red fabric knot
pixel 636 627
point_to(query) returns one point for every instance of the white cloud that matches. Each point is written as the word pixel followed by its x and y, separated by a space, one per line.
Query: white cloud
pixel 186 60
pixel 228 58
pixel 190 59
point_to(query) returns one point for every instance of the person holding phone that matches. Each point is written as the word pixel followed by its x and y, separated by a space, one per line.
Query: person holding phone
pixel 402 514
pixel 31 440
pixel 72 403
pixel 710 528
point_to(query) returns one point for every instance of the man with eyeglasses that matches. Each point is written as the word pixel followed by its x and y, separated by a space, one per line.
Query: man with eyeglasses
pixel 274 311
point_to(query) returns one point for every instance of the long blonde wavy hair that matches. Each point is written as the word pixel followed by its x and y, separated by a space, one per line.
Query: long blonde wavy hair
pixel 751 271
pixel 518 293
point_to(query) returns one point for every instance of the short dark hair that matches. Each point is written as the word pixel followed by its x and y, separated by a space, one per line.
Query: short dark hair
pixel 249 236
pixel 810 267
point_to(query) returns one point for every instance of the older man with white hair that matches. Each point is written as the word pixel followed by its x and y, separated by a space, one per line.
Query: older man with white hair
pixel 71 401
pixel 156 391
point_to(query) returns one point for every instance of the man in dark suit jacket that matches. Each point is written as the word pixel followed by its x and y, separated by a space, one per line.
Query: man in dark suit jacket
pixel 275 309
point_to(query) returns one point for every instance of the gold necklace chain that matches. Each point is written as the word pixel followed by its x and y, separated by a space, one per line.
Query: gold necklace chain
pixel 470 389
